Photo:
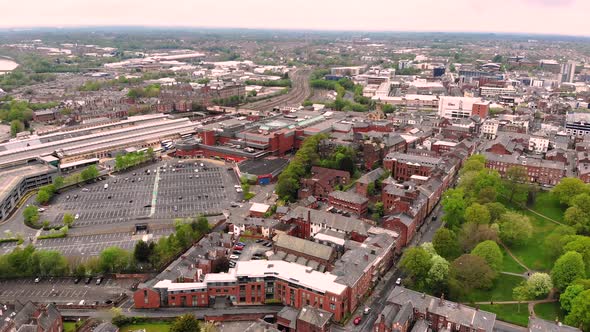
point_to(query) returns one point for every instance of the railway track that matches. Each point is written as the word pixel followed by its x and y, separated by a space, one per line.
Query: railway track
pixel 299 92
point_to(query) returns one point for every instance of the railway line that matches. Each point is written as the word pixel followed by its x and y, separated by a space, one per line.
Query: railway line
pixel 299 92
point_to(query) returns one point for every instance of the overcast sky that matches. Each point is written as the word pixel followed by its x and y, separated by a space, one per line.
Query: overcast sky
pixel 528 16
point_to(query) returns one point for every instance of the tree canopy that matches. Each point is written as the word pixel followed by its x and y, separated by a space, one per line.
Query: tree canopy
pixel 567 268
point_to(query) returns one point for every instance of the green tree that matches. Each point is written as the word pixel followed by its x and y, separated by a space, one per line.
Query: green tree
pixel 515 228
pixel 579 244
pixel 470 272
pixel 68 219
pixel 516 179
pixel 43 196
pixel 202 225
pixel 185 323
pixel 49 263
pixel 143 251
pixel 578 214
pixel 554 242
pixel 521 293
pixel 220 264
pixel 498 58
pixel 580 312
pixel 477 214
pixel 490 251
pixel 445 243
pixel 567 268
pixel 496 210
pixel 30 214
pixel 416 263
pixel 113 259
pixel 539 284
pixel 16 126
pixel 438 274
pixel 91 172
pixel 58 182
pixel 475 163
pixel 571 292
pixel 454 205
pixel 568 188
pixel 472 234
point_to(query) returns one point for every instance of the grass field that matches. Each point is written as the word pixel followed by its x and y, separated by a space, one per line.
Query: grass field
pixel 534 254
pixel 69 326
pixel 547 205
pixel 509 312
pixel 509 264
pixel 549 311
pixel 149 327
pixel 502 290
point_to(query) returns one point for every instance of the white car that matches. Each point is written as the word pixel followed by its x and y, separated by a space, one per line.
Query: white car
pixel 40 209
pixel 236 257
pixel 201 165
pixel 239 190
pixel 77 216
pixel 398 281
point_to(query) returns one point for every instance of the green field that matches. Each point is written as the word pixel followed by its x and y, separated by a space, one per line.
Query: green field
pixel 149 327
pixel 69 326
pixel 549 311
pixel 509 312
pixel 502 290
pixel 509 264
pixel 547 205
pixel 534 254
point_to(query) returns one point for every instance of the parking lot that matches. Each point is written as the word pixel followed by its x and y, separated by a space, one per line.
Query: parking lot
pixel 88 246
pixel 62 290
pixel 172 189
pixel 252 248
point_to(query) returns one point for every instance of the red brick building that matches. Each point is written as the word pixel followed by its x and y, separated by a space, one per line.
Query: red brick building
pixel 322 182
pixel 481 109
pixel 403 166
pixel 349 201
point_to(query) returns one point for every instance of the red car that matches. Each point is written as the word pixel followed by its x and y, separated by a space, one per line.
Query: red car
pixel 357 320
pixel 240 248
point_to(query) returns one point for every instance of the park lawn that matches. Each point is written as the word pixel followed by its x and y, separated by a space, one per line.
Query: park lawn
pixel 509 312
pixel 534 254
pixel 69 326
pixel 547 205
pixel 149 327
pixel 509 264
pixel 501 291
pixel 549 311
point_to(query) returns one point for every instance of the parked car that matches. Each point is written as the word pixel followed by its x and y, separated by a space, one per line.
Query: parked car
pixel 87 281
pixel 37 280
pixel 357 320
pixel 77 280
pixel 259 240
pixel 366 311
pixel 398 281
pixel 238 248
pixel 40 210
pixel 236 252
pixel 98 280
pixel 236 257
pixel 241 244
pixel 77 216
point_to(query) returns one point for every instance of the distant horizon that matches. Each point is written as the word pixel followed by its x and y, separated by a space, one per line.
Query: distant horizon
pixel 541 17
pixel 270 29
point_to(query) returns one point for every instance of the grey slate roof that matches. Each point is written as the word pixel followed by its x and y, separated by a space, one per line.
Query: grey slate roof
pixel 541 325
pixel 106 327
pixel 348 196
pixel 459 314
pixel 303 246
pixel 314 316
pixel 372 176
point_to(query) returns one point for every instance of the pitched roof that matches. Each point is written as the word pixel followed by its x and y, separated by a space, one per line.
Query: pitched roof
pixel 542 325
pixel 372 176
pixel 454 312
pixel 314 316
pixel 306 247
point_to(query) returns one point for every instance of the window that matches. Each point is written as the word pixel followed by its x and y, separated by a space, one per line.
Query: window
pixel 332 306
